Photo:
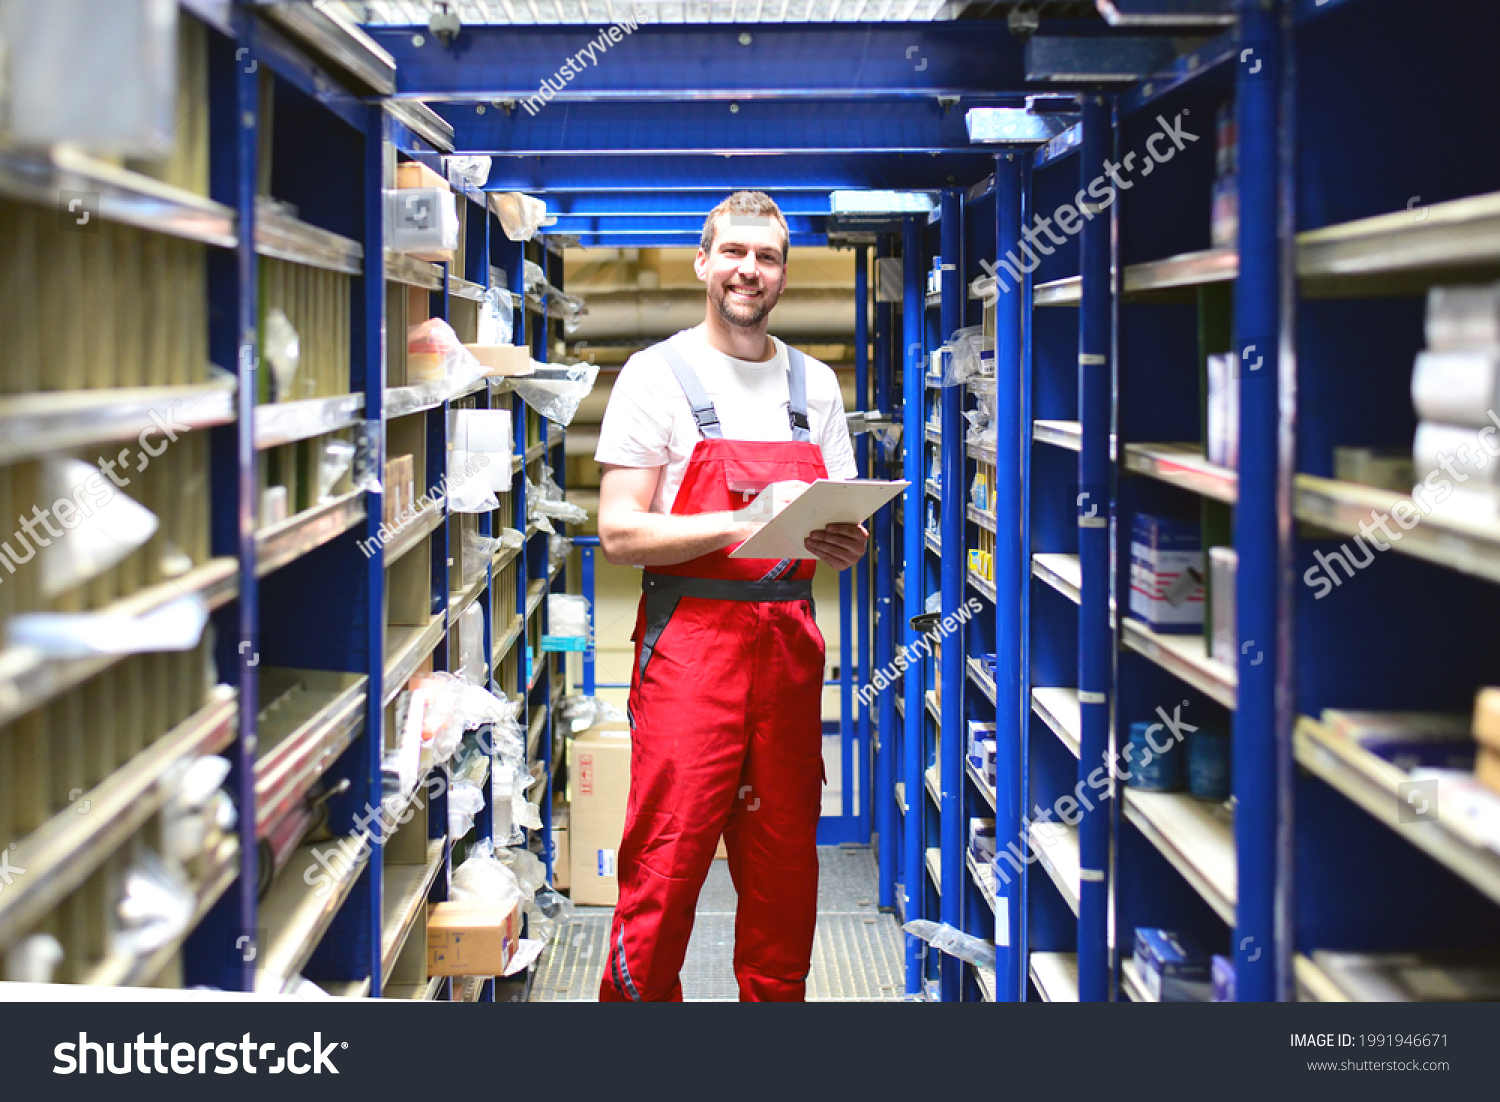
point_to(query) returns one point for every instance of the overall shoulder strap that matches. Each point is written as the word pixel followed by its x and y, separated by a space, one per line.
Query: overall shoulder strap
pixel 797 392
pixel 704 414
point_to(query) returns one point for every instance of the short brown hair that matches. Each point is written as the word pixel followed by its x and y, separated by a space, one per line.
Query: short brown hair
pixel 756 203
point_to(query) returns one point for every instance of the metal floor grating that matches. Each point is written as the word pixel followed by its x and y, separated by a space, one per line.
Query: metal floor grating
pixel 857 953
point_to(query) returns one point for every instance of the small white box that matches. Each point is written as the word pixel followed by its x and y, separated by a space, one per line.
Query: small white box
pixel 489 431
pixel 1223 411
pixel 1166 574
pixel 1223 565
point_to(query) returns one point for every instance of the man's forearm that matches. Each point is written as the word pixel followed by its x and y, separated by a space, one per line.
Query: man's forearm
pixel 663 539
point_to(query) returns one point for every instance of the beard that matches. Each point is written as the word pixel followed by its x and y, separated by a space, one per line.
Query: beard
pixel 742 315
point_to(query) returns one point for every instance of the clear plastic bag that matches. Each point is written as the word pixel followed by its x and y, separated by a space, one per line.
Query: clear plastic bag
pixel 103 535
pixel 465 801
pixel 946 939
pixel 473 168
pixel 478 551
pixel 155 907
pixel 338 460
pixel 520 215
pixel 193 812
pixel 33 959
pixel 558 400
pixel 963 360
pixel 531 874
pixel 512 539
pixel 282 353
pixel 483 879
pixel 174 626
pixel 436 357
pixel 469 632
pixel 582 712
pixel 546 913
pixel 471 495
pixel 496 318
pixel 568 614
pixel 368 466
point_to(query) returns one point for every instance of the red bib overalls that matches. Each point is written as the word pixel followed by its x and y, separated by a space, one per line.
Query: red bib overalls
pixel 726 728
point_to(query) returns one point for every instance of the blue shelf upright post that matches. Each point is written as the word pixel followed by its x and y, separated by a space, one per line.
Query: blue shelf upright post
pixel 952 829
pixel 1011 570
pixel 886 563
pixel 913 550
pixel 1262 960
pixel 862 588
pixel 1092 503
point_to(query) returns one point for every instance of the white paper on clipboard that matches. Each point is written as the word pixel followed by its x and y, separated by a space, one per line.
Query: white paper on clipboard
pixel 824 502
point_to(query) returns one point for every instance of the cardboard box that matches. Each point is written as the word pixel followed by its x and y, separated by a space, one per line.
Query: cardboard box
pixel 1487 717
pixel 414 174
pixel 561 817
pixel 1166 574
pixel 1487 768
pixel 471 938
pixel 1172 968
pixel 503 359
pixel 599 768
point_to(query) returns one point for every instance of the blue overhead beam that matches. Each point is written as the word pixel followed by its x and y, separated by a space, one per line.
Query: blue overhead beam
pixel 807 172
pixel 689 225
pixel 672 204
pixel 648 239
pixel 893 60
pixel 713 126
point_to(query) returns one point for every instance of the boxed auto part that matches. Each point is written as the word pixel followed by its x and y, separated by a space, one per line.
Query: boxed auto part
pixel 599 771
pixel 472 938
pixel 1166 573
pixel 1172 968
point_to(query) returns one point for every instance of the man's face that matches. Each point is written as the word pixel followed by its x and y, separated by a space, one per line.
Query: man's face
pixel 744 273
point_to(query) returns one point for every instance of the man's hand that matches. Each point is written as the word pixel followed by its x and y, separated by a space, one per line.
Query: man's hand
pixel 839 545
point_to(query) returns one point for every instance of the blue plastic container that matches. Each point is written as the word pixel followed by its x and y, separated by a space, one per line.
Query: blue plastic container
pixel 1161 772
pixel 1208 764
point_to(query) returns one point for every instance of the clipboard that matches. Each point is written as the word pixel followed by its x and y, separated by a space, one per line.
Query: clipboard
pixel 824 502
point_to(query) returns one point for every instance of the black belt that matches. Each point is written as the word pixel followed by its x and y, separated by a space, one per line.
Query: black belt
pixel 727 589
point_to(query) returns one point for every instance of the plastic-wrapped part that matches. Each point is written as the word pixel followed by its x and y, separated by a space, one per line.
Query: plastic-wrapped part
pixel 33 959
pixel 469 632
pixel 963 360
pixel 558 399
pixel 527 950
pixel 512 539
pixel 497 317
pixel 536 279
pixel 155 907
pixel 520 215
pixel 282 353
pixel 478 550
pixel 436 357
pixel 568 614
pixel 101 538
pixel 193 812
pixel 482 878
pixel 471 495
pixel 465 801
pixel 582 712
pixel 174 626
pixel 471 167
pixel 946 939
pixel 368 467
pixel 531 874
pixel 890 439
pixel 546 913
pixel 337 460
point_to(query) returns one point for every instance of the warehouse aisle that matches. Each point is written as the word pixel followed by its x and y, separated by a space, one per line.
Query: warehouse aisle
pixel 857 955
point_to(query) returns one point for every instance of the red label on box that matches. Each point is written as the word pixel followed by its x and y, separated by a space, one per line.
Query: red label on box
pixel 585 774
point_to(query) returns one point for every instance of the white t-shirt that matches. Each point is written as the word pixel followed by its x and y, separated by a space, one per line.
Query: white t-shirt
pixel 649 423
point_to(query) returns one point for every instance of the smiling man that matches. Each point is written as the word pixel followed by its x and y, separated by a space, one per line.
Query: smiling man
pixel 726 690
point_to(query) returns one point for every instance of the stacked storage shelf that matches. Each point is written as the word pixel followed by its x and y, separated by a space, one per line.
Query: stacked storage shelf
pixel 1399 628
pixel 324 603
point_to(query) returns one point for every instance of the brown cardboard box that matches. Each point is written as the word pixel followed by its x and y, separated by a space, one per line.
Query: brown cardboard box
pixel 414 174
pixel 1487 768
pixel 599 768
pixel 471 938
pixel 560 820
pixel 503 359
pixel 1487 718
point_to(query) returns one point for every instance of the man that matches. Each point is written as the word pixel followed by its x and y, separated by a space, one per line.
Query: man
pixel 726 692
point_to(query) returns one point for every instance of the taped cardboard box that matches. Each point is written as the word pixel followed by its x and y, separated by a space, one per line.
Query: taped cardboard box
pixel 599 768
pixel 471 938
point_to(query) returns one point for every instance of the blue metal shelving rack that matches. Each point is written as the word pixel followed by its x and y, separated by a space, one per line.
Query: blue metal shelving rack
pixel 1354 197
